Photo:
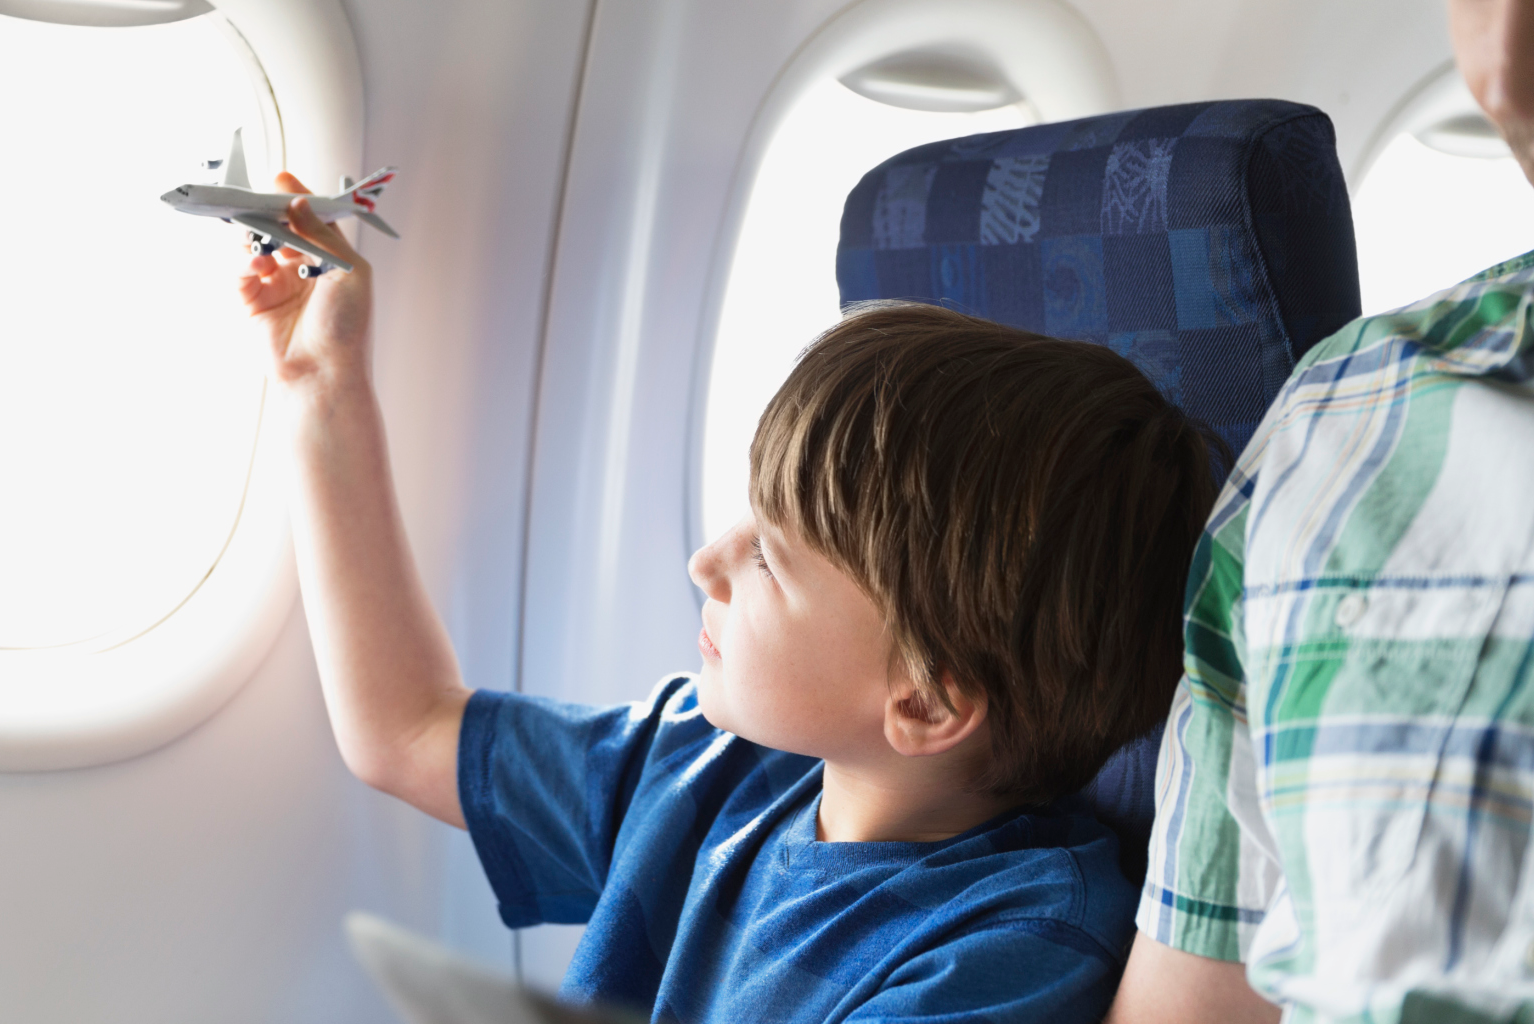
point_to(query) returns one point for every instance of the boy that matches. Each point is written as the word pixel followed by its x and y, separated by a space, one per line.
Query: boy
pixel 958 593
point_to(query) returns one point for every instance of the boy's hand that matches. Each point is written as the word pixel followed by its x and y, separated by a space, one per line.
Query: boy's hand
pixel 317 329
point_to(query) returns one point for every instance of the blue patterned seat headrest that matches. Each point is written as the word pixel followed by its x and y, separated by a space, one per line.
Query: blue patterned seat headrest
pixel 1210 243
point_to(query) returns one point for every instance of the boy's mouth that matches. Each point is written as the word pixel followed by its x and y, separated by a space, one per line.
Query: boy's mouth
pixel 706 645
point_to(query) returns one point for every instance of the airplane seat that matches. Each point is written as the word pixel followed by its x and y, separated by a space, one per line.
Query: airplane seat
pixel 1210 243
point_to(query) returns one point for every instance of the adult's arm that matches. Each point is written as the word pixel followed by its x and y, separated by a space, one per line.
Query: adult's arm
pixel 1163 985
pixel 389 675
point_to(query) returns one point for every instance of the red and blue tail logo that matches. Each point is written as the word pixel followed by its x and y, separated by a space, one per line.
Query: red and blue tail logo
pixel 367 191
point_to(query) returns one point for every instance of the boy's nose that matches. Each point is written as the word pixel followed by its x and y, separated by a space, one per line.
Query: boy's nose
pixel 706 571
pixel 710 565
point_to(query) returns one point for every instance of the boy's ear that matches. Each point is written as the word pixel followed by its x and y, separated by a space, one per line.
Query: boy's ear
pixel 918 725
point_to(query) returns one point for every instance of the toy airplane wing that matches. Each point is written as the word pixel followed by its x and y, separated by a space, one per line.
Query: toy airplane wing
pixel 268 226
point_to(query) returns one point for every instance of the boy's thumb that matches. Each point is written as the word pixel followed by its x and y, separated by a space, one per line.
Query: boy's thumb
pixel 302 215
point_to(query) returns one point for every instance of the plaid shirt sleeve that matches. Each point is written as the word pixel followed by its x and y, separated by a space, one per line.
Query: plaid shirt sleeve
pixel 1346 782
pixel 1213 867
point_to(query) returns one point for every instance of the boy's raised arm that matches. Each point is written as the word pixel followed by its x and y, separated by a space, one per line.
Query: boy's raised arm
pixel 390 678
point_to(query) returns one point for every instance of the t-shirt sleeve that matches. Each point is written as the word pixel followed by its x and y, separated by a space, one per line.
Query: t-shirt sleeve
pixel 1212 869
pixel 1021 971
pixel 545 787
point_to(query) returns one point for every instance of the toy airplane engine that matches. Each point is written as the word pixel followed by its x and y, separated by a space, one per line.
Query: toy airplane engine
pixel 265 213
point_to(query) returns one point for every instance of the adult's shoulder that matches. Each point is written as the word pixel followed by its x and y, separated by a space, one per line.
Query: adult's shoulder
pixel 1471 318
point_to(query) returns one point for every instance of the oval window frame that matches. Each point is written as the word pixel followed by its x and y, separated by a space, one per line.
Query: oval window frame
pixel 1434 110
pixel 1047 49
pixel 1435 95
pixel 75 709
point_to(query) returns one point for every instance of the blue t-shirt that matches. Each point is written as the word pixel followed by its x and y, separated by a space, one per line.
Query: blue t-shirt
pixel 691 856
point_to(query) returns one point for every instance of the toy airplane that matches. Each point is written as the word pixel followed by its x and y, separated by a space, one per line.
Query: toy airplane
pixel 265 213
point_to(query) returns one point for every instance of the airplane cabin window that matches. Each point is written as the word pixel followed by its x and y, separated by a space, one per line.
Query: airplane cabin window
pixel 782 290
pixel 130 403
pixel 1442 199
pixel 128 409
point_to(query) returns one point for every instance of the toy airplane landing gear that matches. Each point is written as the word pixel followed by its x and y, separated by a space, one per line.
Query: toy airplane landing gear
pixel 261 245
pixel 311 270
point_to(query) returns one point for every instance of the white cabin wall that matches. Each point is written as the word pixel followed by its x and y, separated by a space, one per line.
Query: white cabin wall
pixel 671 89
pixel 203 881
pixel 206 881
pixel 484 115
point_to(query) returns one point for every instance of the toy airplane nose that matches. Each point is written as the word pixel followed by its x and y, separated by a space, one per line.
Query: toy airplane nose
pixel 171 197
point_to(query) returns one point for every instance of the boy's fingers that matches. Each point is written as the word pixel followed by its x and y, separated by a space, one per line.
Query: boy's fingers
pixel 249 282
pixel 261 266
pixel 289 183
pixel 307 224
pixel 258 284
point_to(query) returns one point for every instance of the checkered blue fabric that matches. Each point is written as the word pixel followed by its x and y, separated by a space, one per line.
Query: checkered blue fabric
pixel 1209 243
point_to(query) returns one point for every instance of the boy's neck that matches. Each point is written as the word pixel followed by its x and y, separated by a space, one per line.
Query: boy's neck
pixel 866 807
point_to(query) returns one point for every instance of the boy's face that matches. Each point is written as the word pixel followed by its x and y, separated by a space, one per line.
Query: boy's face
pixel 795 655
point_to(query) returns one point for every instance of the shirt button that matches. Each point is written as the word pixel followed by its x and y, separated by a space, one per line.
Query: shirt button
pixel 1350 609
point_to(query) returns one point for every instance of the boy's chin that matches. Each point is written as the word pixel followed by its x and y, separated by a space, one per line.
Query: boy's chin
pixel 712 704
pixel 708 698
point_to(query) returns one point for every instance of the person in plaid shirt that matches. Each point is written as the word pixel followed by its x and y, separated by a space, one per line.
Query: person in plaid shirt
pixel 1347 777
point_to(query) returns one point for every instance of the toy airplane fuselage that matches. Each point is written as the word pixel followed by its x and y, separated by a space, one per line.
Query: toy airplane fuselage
pixel 266 213
pixel 226 201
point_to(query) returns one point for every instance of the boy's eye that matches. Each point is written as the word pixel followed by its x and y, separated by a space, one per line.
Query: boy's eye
pixel 759 558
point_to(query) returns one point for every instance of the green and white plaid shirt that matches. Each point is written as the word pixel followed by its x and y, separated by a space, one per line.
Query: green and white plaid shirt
pixel 1346 784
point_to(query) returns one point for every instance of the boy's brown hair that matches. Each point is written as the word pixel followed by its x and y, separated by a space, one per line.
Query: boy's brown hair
pixel 1022 509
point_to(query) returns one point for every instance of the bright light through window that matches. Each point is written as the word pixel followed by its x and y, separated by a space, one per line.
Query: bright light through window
pixel 129 408
pixel 1426 221
pixel 782 287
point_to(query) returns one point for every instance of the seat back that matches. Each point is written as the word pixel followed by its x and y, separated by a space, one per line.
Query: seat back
pixel 1209 243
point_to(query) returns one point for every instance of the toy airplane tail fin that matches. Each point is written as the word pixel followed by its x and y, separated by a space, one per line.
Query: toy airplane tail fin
pixel 364 195
pixel 367 191
pixel 234 166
